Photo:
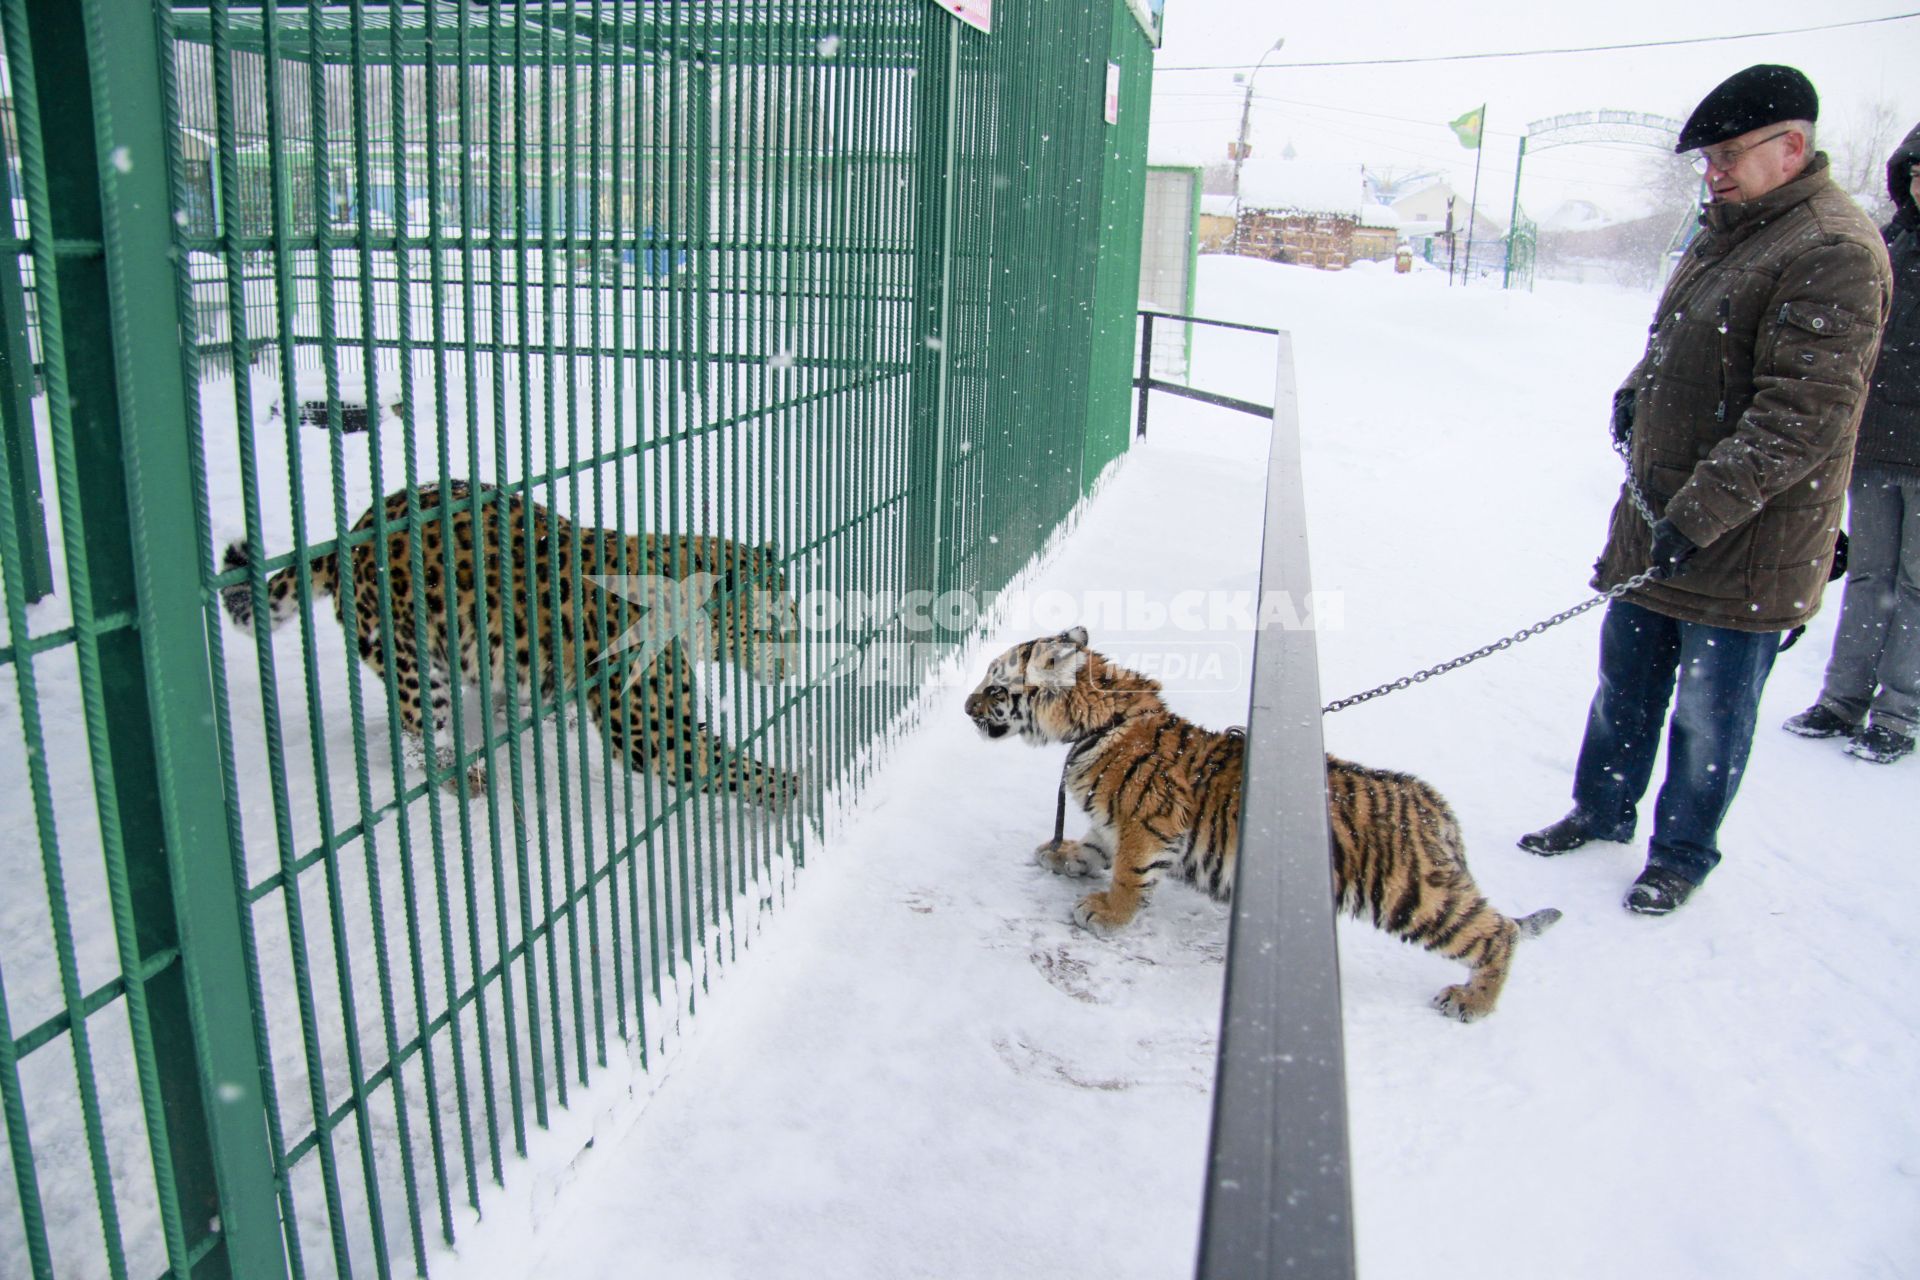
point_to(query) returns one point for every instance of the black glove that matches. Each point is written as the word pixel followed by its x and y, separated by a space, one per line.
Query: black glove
pixel 1671 550
pixel 1622 415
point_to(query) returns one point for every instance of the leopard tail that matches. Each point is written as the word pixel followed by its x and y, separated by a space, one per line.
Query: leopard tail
pixel 282 588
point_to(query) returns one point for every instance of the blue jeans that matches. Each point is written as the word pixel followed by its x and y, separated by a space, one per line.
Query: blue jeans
pixel 1720 676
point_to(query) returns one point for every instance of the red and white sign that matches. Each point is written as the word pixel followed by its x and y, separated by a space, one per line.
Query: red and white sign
pixel 1113 93
pixel 977 14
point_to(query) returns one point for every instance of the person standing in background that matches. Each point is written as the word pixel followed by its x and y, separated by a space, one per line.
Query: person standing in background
pixel 1872 689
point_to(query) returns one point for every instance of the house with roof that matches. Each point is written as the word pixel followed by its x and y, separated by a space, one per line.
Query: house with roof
pixel 1313 214
pixel 1425 221
pixel 1428 207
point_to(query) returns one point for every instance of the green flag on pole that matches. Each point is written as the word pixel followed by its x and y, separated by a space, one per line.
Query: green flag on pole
pixel 1467 127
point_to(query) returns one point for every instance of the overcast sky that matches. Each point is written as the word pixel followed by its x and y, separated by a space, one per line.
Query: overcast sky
pixel 1395 116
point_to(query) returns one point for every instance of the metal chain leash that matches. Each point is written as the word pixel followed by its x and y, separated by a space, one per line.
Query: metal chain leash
pixel 1527 633
pixel 1624 447
pixel 1638 580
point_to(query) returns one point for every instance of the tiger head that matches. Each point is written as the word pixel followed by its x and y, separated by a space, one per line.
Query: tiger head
pixel 1055 689
pixel 1023 681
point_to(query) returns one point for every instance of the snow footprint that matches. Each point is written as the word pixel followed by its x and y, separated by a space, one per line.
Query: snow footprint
pixel 1029 1060
pixel 1178 1062
pixel 1067 972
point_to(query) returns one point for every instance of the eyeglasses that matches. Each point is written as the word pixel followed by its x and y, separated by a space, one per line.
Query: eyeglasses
pixel 1722 159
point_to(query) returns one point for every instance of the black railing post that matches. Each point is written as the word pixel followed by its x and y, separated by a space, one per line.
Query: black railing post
pixel 1145 382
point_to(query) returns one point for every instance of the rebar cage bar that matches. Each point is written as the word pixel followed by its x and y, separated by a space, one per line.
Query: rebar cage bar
pixel 720 358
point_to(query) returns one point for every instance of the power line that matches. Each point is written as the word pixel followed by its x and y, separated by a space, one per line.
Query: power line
pixel 1541 53
pixel 1423 128
pixel 1235 96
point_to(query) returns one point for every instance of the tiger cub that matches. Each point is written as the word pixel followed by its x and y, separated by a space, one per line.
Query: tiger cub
pixel 1163 794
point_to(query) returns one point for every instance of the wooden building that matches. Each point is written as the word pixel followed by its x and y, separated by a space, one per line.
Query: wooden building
pixel 1312 215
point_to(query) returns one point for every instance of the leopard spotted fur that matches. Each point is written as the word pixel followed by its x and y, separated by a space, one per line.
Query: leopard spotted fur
pixel 654 723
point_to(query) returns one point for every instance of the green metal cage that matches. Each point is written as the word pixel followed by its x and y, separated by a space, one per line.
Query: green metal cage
pixel 845 289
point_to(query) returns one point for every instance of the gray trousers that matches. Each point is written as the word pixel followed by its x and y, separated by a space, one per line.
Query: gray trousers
pixel 1875 668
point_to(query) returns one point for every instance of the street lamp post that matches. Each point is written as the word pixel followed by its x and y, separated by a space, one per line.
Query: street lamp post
pixel 1240 147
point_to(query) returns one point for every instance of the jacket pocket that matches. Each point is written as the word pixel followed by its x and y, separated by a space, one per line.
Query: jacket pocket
pixel 1817 341
pixel 1819 319
pixel 1795 536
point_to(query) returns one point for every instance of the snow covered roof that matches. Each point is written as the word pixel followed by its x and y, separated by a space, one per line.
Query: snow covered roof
pixel 1438 187
pixel 1577 215
pixel 1380 215
pixel 1302 186
pixel 1220 206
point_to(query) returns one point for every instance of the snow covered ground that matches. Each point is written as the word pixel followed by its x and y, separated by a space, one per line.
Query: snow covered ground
pixel 921 1069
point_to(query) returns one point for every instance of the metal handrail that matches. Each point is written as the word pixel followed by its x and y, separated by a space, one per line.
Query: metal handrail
pixel 1148 384
pixel 1279 1193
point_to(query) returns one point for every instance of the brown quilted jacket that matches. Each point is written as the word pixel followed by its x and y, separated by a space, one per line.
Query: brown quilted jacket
pixel 1747 402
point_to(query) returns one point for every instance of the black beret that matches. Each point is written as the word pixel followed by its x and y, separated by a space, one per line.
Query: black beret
pixel 1748 100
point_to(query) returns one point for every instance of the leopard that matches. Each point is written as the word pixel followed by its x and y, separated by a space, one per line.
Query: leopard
pixel 740 612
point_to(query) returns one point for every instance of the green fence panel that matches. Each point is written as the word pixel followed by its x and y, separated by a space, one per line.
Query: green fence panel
pixel 1124 195
pixel 166 899
pixel 514 468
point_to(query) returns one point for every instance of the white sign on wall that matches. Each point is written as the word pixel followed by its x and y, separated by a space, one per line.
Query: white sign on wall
pixel 977 14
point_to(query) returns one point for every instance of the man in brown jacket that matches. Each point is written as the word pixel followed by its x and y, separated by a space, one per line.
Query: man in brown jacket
pixel 1742 416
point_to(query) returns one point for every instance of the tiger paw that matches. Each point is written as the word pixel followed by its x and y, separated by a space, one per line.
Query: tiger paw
pixel 1098 915
pixel 1462 1002
pixel 1069 858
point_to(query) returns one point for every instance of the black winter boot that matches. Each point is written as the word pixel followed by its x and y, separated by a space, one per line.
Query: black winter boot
pixel 1879 744
pixel 1568 834
pixel 1658 891
pixel 1817 721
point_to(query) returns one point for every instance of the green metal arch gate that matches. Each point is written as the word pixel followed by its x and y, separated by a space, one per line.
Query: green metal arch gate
pixel 844 281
